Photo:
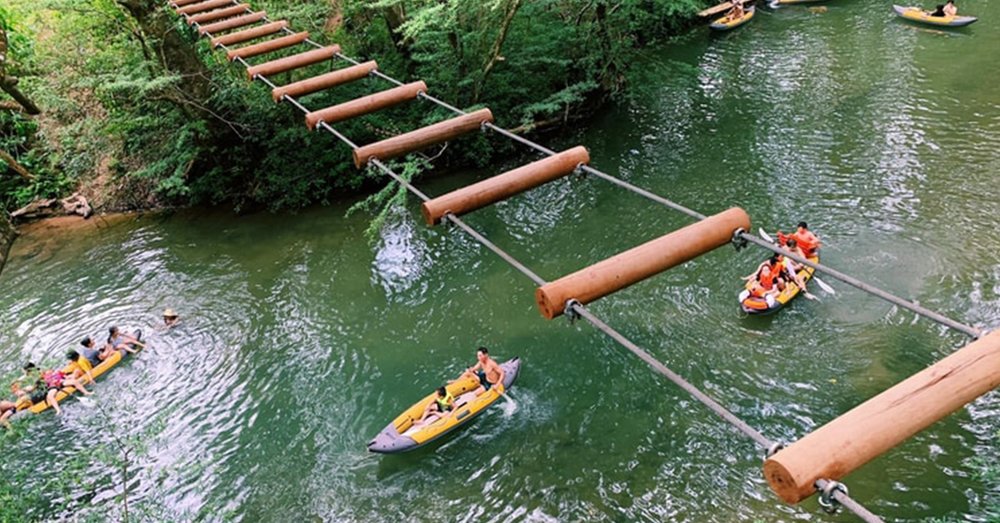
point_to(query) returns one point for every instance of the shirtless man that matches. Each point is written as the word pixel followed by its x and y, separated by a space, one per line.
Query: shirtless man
pixel 489 373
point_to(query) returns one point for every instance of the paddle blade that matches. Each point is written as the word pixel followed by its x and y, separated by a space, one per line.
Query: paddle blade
pixel 765 235
pixel 823 285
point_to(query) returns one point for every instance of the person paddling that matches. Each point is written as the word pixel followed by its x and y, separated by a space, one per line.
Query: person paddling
pixel 804 238
pixel 488 371
pixel 736 12
pixel 950 9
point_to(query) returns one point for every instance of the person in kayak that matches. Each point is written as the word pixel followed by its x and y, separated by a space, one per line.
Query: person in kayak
pixel 776 265
pixel 764 286
pixel 950 9
pixel 938 11
pixel 78 367
pixel 57 380
pixel 793 267
pixel 806 240
pixel 29 388
pixel 488 371
pixel 91 352
pixel 442 405
pixel 736 12
pixel 121 341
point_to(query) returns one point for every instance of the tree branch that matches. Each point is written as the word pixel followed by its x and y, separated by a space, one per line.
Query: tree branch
pixel 16 167
pixel 494 55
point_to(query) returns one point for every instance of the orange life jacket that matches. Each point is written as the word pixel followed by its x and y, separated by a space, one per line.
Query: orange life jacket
pixel 767 282
pixel 806 243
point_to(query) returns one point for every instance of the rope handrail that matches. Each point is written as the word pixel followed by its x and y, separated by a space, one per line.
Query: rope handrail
pixel 840 495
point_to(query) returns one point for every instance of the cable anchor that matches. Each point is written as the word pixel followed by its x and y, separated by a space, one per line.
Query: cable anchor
pixel 738 241
pixel 826 496
pixel 774 449
pixel 570 310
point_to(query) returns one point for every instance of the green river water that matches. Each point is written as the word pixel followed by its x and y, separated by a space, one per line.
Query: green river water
pixel 301 340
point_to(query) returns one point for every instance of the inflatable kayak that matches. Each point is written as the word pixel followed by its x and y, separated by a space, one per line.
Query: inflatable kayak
pixel 96 372
pixel 916 14
pixel 406 433
pixel 726 23
pixel 757 305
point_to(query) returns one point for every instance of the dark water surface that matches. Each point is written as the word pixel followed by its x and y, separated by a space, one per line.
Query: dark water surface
pixel 301 340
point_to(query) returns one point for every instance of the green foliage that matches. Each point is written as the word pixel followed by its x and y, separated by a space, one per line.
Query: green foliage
pixel 122 108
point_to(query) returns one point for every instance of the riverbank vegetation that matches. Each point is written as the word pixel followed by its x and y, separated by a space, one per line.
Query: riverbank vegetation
pixel 136 112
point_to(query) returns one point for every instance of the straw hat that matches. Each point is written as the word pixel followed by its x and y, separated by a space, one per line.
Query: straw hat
pixel 169 313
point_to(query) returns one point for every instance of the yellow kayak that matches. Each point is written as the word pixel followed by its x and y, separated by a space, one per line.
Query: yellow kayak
pixel 96 372
pixel 407 433
pixel 726 23
pixel 756 305
pixel 919 15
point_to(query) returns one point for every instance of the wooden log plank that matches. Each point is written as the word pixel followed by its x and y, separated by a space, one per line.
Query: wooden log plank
pixel 639 263
pixel 294 61
pixel 879 424
pixel 421 138
pixel 324 81
pixel 218 14
pixel 366 104
pixel 232 23
pixel 203 6
pixel 267 46
pixel 503 186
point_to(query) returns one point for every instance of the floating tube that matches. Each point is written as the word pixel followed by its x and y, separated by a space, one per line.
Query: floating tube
pixel 203 6
pixel 117 357
pixel 503 186
pixel 249 34
pixel 725 23
pixel 879 424
pixel 916 14
pixel 232 23
pixel 759 306
pixel 365 104
pixel 421 138
pixel 267 46
pixel 323 81
pixel 294 61
pixel 405 434
pixel 218 14
pixel 639 263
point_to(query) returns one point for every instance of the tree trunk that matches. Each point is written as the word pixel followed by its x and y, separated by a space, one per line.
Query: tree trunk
pixel 16 167
pixel 395 17
pixel 9 83
pixel 7 235
pixel 494 55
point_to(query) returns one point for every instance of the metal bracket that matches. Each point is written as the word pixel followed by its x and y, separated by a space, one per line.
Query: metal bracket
pixel 570 312
pixel 774 449
pixel 826 499
pixel 738 241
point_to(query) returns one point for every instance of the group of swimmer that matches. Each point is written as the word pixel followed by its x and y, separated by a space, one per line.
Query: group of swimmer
pixel 36 386
pixel 489 373
pixel 771 277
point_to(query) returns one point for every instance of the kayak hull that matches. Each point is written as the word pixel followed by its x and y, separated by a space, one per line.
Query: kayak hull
pixel 915 14
pixel 96 372
pixel 405 433
pixel 759 306
pixel 725 24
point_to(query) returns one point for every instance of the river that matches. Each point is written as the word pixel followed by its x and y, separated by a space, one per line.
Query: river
pixel 300 340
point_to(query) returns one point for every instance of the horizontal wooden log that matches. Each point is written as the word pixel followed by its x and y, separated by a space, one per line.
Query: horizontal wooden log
pixel 879 424
pixel 218 14
pixel 294 61
pixel 181 3
pixel 267 46
pixel 201 7
pixel 421 138
pixel 324 81
pixel 714 10
pixel 232 23
pixel 639 263
pixel 250 34
pixel 366 104
pixel 503 186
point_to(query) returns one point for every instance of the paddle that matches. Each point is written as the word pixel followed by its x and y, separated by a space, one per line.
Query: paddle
pixel 822 284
